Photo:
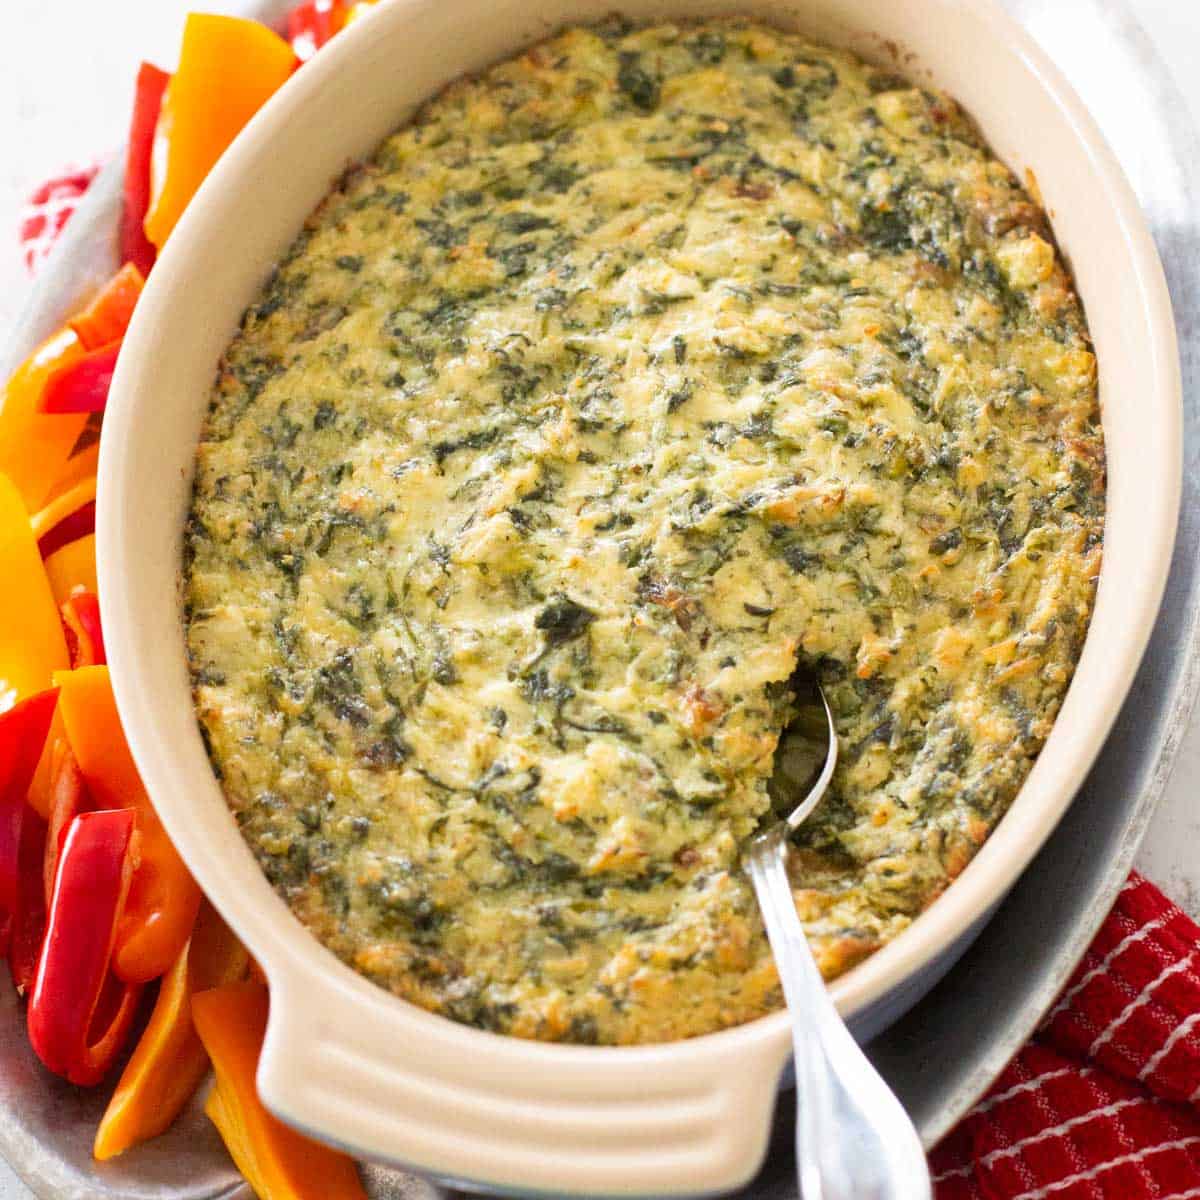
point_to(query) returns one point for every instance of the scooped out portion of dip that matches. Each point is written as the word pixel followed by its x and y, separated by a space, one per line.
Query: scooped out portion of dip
pixel 625 377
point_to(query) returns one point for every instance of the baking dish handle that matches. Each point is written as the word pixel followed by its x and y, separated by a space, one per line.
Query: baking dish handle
pixel 351 1064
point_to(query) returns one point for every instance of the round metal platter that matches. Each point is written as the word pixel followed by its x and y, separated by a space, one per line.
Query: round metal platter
pixel 944 1053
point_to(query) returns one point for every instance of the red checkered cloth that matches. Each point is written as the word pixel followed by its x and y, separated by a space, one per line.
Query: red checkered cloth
pixel 1104 1101
pixel 49 209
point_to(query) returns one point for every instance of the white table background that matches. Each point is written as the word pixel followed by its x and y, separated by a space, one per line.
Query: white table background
pixel 66 79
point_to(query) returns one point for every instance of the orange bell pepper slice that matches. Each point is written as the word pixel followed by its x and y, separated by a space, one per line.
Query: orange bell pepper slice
pixel 163 897
pixel 228 69
pixel 107 317
pixel 32 646
pixel 41 790
pixel 71 567
pixel 82 465
pixel 278 1162
pixel 170 1060
pixel 35 446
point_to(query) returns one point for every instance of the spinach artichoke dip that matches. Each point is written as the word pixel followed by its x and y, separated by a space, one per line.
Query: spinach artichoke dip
pixel 625 378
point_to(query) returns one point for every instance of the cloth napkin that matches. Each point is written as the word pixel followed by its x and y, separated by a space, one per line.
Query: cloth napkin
pixel 48 210
pixel 1103 1103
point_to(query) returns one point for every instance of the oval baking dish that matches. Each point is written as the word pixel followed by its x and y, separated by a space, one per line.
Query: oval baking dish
pixel 346 1060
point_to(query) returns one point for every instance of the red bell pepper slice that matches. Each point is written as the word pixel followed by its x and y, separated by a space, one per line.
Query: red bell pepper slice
pixel 81 386
pixel 69 796
pixel 85 638
pixel 80 1015
pixel 23 731
pixel 312 24
pixel 29 918
pixel 80 523
pixel 147 104
pixel 164 898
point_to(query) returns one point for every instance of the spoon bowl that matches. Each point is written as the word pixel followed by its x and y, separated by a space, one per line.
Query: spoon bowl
pixel 854 1141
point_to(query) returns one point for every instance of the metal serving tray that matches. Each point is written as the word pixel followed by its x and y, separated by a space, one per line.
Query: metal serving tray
pixel 943 1054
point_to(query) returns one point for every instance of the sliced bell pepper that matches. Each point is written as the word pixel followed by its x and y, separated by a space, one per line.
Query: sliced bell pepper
pixel 311 24
pixel 82 386
pixel 62 506
pixel 42 787
pixel 228 68
pixel 163 898
pixel 35 447
pixel 82 464
pixel 107 317
pixel 147 104
pixel 359 9
pixel 85 638
pixel 75 525
pixel 32 645
pixel 73 566
pixel 278 1162
pixel 29 916
pixel 23 731
pixel 170 1061
pixel 68 798
pixel 80 1016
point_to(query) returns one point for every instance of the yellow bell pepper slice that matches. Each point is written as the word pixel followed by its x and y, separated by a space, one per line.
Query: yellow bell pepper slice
pixel 73 566
pixel 32 645
pixel 35 446
pixel 228 69
pixel 170 1060
pixel 62 506
pixel 359 10
pixel 278 1162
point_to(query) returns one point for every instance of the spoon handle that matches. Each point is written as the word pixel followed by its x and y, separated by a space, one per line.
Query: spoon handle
pixel 854 1141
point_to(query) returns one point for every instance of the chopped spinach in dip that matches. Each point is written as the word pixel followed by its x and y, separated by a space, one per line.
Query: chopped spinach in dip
pixel 624 378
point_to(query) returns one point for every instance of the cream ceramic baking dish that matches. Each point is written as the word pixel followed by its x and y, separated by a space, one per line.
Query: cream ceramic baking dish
pixel 351 1063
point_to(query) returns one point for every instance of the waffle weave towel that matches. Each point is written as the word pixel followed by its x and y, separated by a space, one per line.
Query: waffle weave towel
pixel 48 210
pixel 1104 1101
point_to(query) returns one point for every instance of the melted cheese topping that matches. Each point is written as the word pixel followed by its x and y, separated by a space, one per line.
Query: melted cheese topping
pixel 624 378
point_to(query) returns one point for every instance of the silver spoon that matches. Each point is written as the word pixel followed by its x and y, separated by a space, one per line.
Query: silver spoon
pixel 854 1141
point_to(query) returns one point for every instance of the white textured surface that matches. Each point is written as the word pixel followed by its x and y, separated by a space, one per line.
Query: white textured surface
pixel 66 76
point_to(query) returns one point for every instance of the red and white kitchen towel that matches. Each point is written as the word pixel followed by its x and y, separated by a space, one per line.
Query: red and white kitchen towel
pixel 1103 1103
pixel 49 209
